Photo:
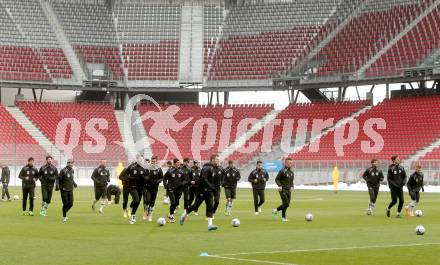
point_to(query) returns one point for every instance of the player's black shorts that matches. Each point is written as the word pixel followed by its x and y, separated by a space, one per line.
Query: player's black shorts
pixel 100 193
pixel 230 193
pixel 415 195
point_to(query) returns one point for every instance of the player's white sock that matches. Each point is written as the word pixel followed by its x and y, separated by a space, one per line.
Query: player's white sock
pixel 209 221
pixel 412 205
pixel 101 207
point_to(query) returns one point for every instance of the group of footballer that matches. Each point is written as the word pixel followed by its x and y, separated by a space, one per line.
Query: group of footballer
pixel 397 179
pixel 197 185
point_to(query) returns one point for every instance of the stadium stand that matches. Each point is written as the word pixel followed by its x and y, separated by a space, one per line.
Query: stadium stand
pixel 367 34
pixel 245 42
pixel 402 122
pixel 265 38
pixel 307 111
pixel 416 45
pixel 90 29
pixel 16 144
pixel 150 35
pixel 46 116
pixel 212 25
pixel 29 50
pixel 196 112
pixel 435 154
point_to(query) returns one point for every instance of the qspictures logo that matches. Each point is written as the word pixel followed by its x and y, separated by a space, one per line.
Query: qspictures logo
pixel 211 135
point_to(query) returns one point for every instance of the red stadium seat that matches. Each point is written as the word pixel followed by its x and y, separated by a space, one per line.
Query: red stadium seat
pixel 46 117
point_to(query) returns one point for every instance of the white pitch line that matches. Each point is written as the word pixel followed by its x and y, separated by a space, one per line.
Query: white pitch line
pixel 307 200
pixel 293 200
pixel 251 260
pixel 328 249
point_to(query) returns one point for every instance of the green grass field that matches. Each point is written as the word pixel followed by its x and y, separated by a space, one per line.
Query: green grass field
pixel 340 234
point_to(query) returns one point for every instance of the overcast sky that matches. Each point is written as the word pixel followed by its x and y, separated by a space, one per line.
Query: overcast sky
pixel 280 98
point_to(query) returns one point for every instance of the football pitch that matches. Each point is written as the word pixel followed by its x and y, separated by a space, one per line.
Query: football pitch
pixel 341 233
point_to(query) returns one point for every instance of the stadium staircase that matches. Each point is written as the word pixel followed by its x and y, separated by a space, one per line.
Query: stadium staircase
pixel 353 11
pixel 240 141
pixel 400 35
pixel 192 114
pixel 120 49
pixel 41 139
pixel 135 138
pixel 127 140
pixel 276 152
pixel 191 44
pixel 434 58
pixel 431 151
pixel 141 139
pixel 214 21
pixel 420 125
pixel 64 42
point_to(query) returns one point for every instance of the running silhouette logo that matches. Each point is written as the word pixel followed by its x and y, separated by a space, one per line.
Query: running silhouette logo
pixel 159 123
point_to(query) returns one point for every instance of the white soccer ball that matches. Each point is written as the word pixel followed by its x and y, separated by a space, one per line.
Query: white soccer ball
pixel 420 230
pixel 166 200
pixel 161 221
pixel 235 222
pixel 16 197
pixel 309 217
pixel 419 213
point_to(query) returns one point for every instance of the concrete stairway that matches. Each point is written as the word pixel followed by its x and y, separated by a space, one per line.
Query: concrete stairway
pixel 402 33
pixel 240 141
pixel 191 44
pixel 128 142
pixel 277 151
pixel 357 8
pixel 134 137
pixel 64 42
pixel 422 152
pixel 142 142
pixel 41 139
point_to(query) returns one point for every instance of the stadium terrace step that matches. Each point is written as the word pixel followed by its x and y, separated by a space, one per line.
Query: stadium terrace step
pixel 276 152
pixel 127 139
pixel 431 151
pixel 399 36
pixel 191 44
pixel 41 139
pixel 355 9
pixel 420 134
pixel 64 42
pixel 240 141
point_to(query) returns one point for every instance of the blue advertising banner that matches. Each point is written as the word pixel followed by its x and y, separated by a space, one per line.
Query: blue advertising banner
pixel 272 166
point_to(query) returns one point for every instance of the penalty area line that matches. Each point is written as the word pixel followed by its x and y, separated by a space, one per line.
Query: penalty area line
pixel 250 260
pixel 329 249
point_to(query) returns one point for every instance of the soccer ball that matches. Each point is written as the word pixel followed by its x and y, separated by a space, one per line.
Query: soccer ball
pixel 419 213
pixel 161 221
pixel 420 230
pixel 309 217
pixel 16 197
pixel 235 222
pixel 166 200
